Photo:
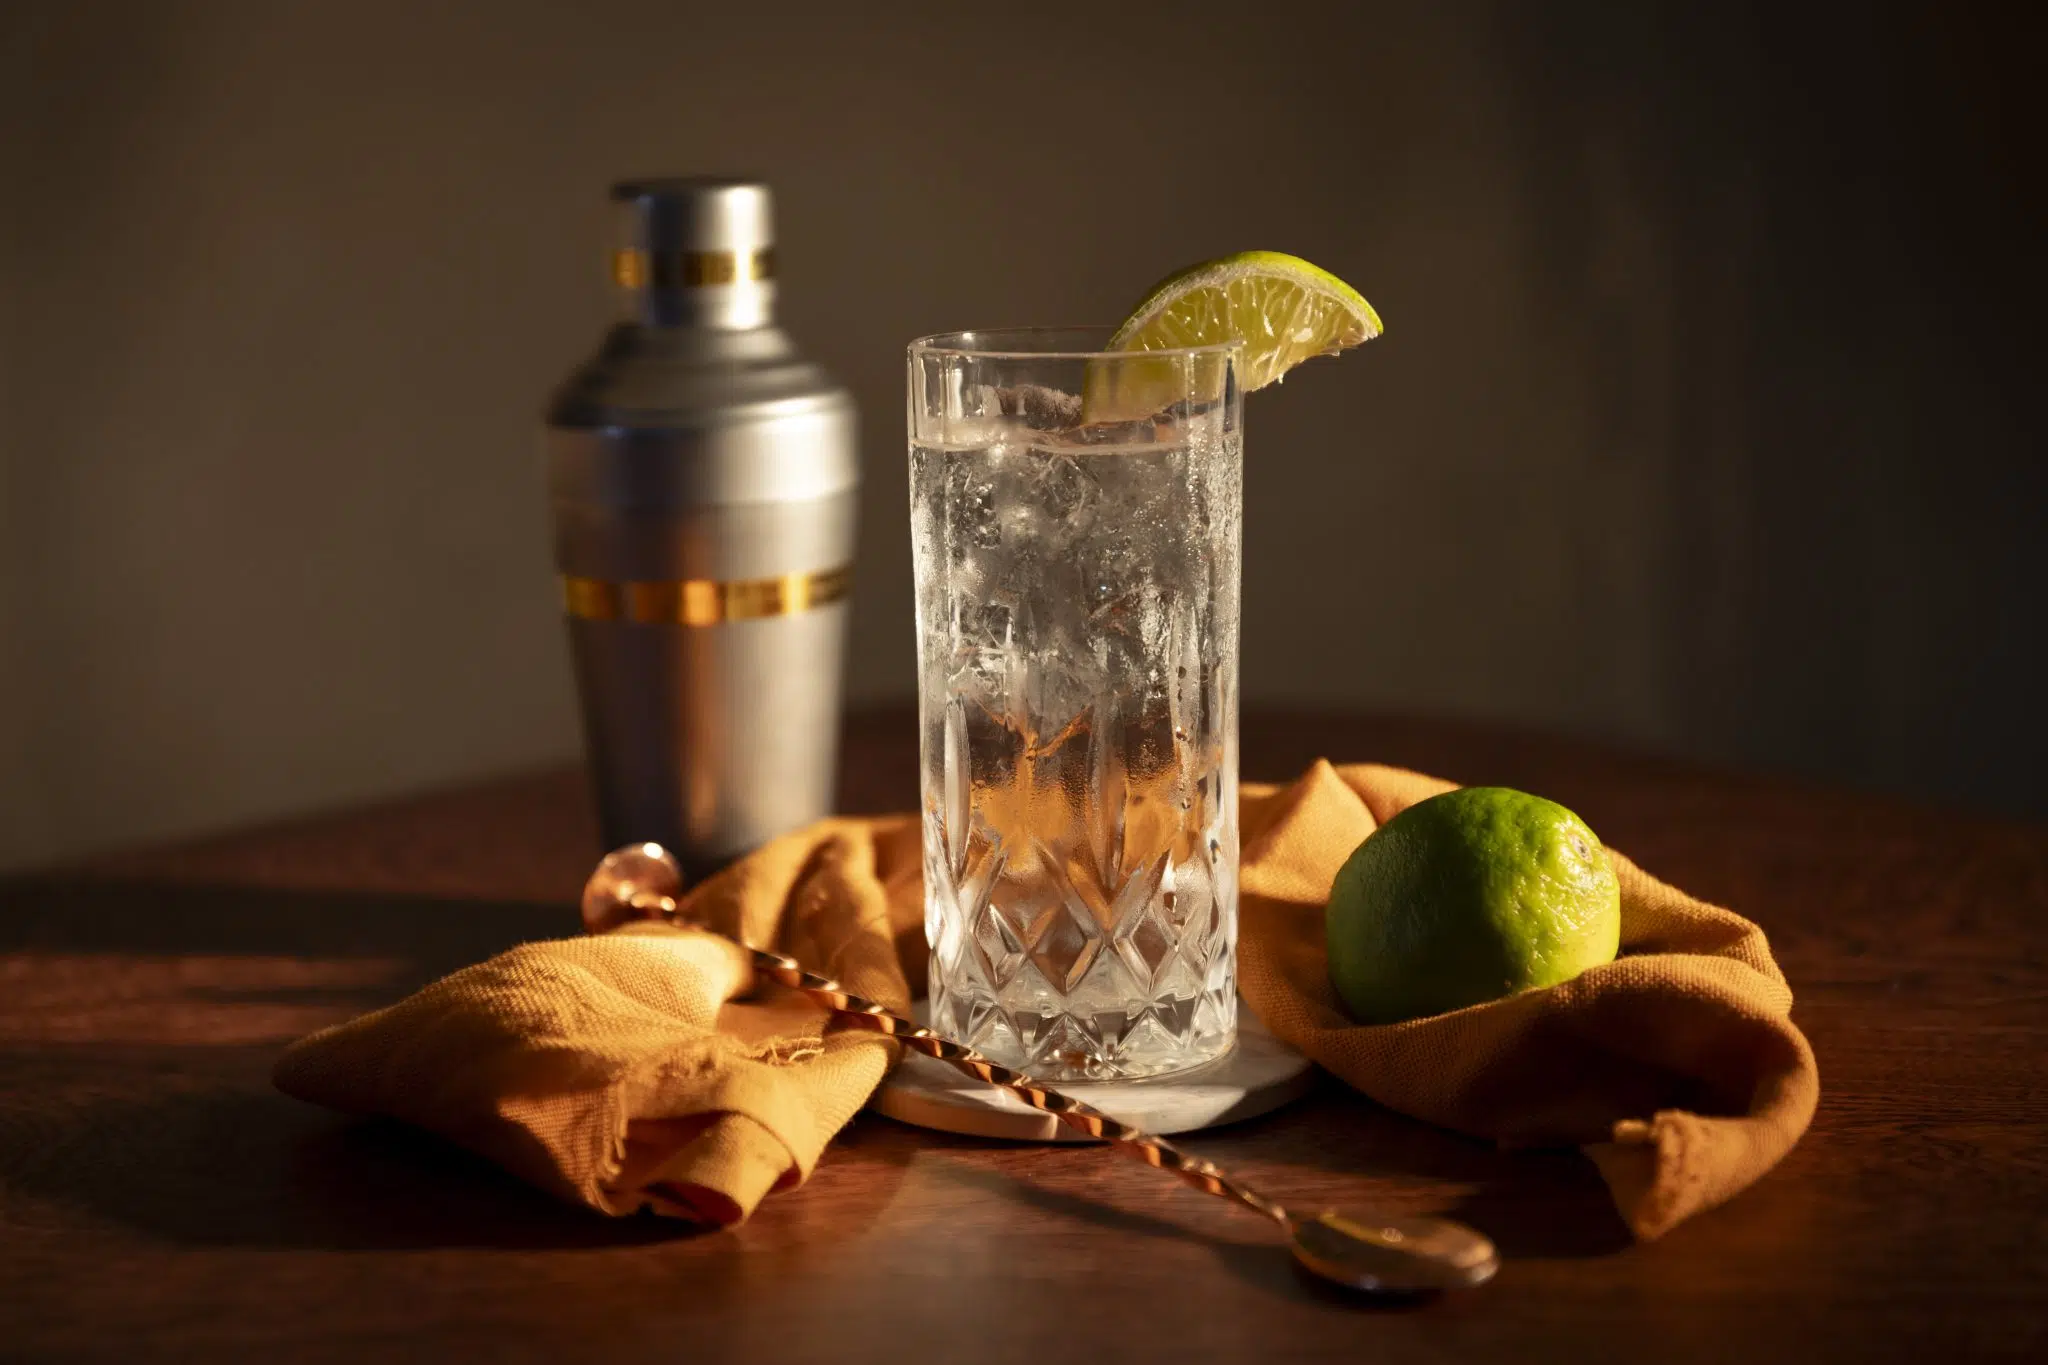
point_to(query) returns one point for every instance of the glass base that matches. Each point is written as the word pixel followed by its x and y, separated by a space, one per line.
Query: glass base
pixel 1139 1040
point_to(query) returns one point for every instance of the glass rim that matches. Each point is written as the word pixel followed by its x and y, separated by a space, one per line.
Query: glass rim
pixel 1013 343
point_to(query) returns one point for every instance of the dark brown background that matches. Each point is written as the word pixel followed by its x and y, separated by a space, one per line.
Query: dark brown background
pixel 1704 422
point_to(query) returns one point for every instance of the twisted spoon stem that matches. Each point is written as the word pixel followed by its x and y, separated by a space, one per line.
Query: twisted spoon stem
pixel 1084 1118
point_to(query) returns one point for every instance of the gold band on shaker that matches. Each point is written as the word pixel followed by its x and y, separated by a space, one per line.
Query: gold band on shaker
pixel 634 268
pixel 703 601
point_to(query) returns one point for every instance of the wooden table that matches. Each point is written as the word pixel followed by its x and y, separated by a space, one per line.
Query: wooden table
pixel 158 1199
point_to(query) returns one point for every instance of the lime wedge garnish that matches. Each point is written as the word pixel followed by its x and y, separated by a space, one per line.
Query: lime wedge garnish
pixel 1280 307
pixel 1283 309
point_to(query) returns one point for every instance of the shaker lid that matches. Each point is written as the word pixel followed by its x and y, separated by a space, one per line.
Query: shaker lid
pixel 673 214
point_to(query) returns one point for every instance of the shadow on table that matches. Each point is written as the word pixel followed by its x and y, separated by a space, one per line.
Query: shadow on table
pixel 431 937
pixel 232 1168
pixel 236 1168
pixel 1262 1260
pixel 1548 1202
pixel 1532 1204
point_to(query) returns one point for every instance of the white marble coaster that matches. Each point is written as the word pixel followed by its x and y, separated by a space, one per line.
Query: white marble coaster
pixel 1259 1075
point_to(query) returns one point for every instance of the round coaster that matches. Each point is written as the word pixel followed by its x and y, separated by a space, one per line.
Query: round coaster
pixel 1257 1076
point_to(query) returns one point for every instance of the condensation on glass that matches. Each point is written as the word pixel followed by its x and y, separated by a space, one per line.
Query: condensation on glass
pixel 1075 522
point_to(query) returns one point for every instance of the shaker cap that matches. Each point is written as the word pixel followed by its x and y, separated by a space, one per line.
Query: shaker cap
pixel 705 217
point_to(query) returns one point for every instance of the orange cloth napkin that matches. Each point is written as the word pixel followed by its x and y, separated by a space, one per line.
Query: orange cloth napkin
pixel 630 1070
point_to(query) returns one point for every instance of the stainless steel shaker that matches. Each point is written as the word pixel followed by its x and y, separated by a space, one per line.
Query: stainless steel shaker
pixel 702 477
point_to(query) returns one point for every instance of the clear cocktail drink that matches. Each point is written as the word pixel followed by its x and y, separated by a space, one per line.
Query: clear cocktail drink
pixel 1077 570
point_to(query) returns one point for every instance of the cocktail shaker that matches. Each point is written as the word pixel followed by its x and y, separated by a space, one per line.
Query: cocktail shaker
pixel 702 477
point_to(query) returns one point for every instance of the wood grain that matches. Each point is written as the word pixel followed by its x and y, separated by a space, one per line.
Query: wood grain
pixel 158 1199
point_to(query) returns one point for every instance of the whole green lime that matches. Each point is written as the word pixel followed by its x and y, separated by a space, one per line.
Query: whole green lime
pixel 1467 897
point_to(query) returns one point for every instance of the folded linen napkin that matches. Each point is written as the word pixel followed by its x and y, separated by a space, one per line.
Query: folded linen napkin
pixel 633 1070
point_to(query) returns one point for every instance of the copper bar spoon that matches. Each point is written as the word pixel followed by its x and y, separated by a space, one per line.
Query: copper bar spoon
pixel 1404 1255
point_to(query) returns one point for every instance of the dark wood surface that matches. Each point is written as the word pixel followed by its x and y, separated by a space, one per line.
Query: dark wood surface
pixel 158 1200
